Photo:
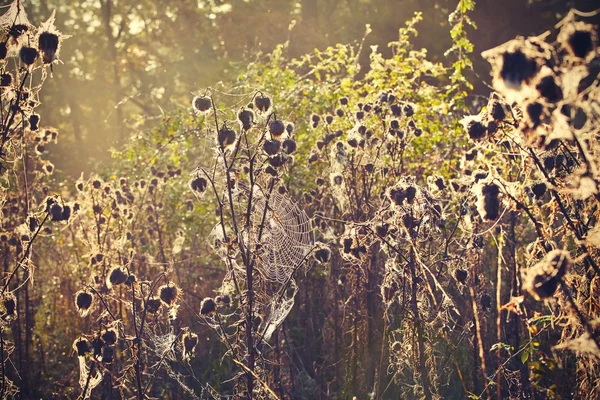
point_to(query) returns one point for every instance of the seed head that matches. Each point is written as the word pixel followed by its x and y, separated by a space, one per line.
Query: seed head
pixel 34 120
pixel 579 39
pixel 338 179
pixel 262 103
pixel 83 302
pixel 109 336
pixel 246 117
pixel 476 130
pixel 224 300
pixel 202 103
pixel 189 340
pixel 490 203
pixel 198 184
pixel 82 346
pixel 227 137
pixel 486 302
pixel 382 229
pixel 271 147
pixel 6 79
pixel 344 101
pixel 497 111
pixel 207 306
pixel 492 127
pixel 9 307
pixel 28 55
pixel 539 189
pixel 534 113
pixel 322 254
pixel 347 243
pixel 543 278
pixel 48 44
pixel 517 68
pixel 153 304
pixel 17 30
pixel 56 212
pixel 168 294
pixel 289 128
pixel 107 354
pixel 289 146
pixel 460 275
pixel 131 279
pixel 276 128
pixel 549 89
pixel 116 276
pixel 97 345
pixel 278 160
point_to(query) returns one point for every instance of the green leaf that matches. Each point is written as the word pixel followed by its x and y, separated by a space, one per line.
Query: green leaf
pixel 525 355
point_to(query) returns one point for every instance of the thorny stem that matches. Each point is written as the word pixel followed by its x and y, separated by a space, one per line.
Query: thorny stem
pixel 225 237
pixel 250 298
pixel 479 338
pixel 228 178
pixel 565 213
pixel 419 326
pixel 582 319
pixel 26 253
pixel 2 388
pixel 13 113
pixel 138 371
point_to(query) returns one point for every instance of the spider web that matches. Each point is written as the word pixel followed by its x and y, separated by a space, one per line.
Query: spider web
pixel 15 14
pixel 282 244
pixel 284 241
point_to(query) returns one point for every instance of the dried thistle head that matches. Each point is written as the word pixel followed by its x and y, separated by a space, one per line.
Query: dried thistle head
pixel 116 276
pixel 246 118
pixel 48 44
pixel 189 341
pixel 82 346
pixel 28 55
pixel 224 300
pixel 460 275
pixel 276 128
pixel 207 306
pixel 542 280
pixel 262 102
pixel 84 300
pixel 198 184
pixel 488 201
pixel 168 294
pixel 289 146
pixel 8 310
pixel 109 336
pixel 579 39
pixel 322 253
pixel 202 103
pixel 226 137
pixel 153 304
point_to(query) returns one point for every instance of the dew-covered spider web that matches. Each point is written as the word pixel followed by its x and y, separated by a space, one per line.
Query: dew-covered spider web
pixel 280 239
pixel 13 14
pixel 284 241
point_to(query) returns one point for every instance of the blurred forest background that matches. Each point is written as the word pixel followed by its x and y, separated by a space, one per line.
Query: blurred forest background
pixel 306 199
pixel 128 63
